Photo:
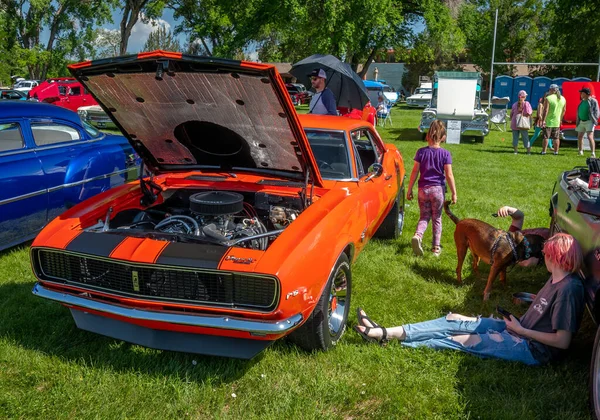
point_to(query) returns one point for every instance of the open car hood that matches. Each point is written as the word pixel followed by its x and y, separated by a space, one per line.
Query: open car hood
pixel 183 112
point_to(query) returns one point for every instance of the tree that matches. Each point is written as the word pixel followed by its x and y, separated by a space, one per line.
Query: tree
pixel 436 48
pixel 133 11
pixel 106 43
pixel 519 37
pixel 65 20
pixel 573 35
pixel 162 39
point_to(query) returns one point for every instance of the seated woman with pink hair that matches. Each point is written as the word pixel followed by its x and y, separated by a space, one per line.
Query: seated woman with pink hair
pixel 542 335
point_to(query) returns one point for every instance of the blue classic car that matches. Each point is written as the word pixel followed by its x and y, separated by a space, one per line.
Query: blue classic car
pixel 50 161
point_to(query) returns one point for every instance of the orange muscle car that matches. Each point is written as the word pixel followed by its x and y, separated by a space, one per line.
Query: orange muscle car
pixel 244 225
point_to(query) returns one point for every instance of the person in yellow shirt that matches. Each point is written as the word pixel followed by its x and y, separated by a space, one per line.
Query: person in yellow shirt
pixel 552 116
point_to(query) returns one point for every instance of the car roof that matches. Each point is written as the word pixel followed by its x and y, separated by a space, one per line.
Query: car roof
pixel 331 122
pixel 27 109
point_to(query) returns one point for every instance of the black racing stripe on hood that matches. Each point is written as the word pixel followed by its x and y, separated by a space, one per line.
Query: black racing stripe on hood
pixel 192 255
pixel 100 244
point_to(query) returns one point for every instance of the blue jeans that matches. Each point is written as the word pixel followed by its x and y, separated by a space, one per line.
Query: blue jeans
pixel 524 135
pixel 495 340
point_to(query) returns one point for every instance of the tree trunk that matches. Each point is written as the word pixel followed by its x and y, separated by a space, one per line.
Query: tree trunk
pixel 365 68
pixel 131 14
pixel 62 8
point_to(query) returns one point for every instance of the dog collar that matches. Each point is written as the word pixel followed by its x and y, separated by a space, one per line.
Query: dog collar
pixel 527 248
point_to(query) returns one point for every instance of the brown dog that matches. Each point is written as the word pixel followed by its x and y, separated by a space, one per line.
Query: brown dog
pixel 494 246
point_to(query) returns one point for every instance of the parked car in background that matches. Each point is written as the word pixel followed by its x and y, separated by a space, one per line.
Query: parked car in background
pixel 49 162
pixel 421 98
pixel 376 89
pixel 210 254
pixel 64 92
pixel 13 94
pixel 96 116
pixel 298 93
pixel 26 85
pixel 456 97
pixel 575 209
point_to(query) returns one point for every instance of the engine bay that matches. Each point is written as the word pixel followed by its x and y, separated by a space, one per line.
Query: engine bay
pixel 227 218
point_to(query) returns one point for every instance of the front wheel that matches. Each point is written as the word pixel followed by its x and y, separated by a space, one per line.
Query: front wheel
pixel 595 378
pixel 392 225
pixel 327 323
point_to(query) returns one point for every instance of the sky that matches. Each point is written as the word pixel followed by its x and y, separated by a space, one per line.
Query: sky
pixel 141 30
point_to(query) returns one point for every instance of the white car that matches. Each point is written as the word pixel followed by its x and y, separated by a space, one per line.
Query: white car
pixel 25 85
pixel 421 98
pixel 95 116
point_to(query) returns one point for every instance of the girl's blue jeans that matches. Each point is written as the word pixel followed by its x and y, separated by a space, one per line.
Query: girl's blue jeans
pixel 494 340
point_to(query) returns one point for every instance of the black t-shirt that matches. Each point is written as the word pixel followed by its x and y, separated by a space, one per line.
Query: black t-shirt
pixel 556 307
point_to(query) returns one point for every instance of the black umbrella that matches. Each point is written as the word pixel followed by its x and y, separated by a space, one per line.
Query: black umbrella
pixel 347 87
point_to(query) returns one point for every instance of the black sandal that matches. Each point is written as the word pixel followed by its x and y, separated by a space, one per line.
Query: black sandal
pixel 364 334
pixel 362 317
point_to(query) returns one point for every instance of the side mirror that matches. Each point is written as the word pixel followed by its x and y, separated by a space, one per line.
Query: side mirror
pixel 375 171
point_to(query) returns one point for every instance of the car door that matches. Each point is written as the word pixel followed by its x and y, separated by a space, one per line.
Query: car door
pixel 75 97
pixel 376 191
pixel 57 143
pixel 23 192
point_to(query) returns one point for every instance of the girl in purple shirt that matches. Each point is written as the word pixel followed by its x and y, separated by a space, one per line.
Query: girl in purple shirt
pixel 435 166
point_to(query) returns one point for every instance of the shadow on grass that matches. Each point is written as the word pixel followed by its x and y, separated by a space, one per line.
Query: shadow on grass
pixel 439 273
pixel 47 327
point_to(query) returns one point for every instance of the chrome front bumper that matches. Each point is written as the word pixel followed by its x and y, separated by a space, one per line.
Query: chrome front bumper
pixel 254 327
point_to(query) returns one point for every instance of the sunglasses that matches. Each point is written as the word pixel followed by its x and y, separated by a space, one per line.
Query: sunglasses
pixel 313 78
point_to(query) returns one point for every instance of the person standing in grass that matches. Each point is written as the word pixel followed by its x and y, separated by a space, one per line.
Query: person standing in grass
pixel 434 164
pixel 521 110
pixel 540 336
pixel 552 115
pixel 587 119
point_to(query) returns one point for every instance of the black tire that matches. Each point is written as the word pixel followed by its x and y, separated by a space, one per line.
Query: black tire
pixel 553 227
pixel 321 331
pixel 594 385
pixel 392 225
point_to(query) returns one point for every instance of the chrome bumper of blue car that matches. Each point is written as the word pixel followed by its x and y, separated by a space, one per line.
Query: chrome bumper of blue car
pixel 254 327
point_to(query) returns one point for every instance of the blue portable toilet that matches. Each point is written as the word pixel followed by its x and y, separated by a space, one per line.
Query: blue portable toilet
pixel 520 83
pixel 503 86
pixel 581 79
pixel 559 81
pixel 540 86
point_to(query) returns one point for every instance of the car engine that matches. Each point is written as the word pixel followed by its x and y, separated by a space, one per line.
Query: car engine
pixel 217 217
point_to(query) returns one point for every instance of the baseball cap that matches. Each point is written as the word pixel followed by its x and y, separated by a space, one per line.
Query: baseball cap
pixel 554 86
pixel 318 73
pixel 522 93
pixel 586 90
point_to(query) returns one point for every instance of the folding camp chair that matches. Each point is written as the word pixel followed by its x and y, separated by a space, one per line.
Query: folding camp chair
pixel 499 110
pixel 383 117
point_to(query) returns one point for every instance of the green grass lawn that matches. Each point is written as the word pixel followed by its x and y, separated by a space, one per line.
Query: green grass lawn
pixel 50 369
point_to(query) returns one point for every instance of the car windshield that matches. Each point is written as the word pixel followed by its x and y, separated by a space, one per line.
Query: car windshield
pixel 422 90
pixel 331 153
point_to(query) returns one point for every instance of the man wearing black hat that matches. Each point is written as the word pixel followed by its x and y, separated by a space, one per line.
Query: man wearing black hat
pixel 587 119
pixel 323 101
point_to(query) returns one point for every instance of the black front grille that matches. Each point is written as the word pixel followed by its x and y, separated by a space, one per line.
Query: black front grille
pixel 156 282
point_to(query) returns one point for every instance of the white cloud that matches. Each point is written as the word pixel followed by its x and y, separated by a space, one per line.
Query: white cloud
pixel 141 30
pixel 253 55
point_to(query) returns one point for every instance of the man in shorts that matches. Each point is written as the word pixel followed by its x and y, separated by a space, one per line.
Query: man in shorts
pixel 587 119
pixel 552 116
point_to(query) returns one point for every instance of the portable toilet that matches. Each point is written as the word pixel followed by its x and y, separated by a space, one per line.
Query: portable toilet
pixel 581 79
pixel 521 83
pixel 539 88
pixel 503 86
pixel 559 81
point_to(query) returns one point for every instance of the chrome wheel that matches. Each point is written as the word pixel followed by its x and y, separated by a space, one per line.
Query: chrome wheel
pixel 337 307
pixel 400 221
